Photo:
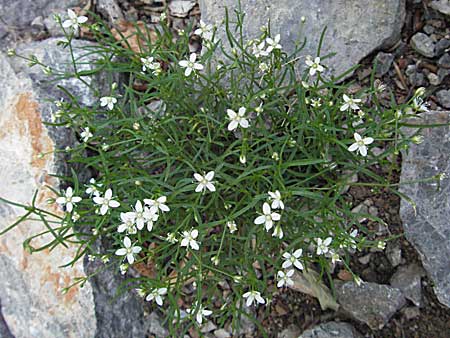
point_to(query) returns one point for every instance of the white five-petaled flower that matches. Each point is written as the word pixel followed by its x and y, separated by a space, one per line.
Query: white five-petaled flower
pixel 74 21
pixel 147 63
pixel 323 245
pixel 86 134
pixel 232 226
pixel 334 257
pixel 205 182
pixel 350 102
pixel 108 101
pixel 258 49
pixel 353 235
pixel 273 43
pixel 361 144
pixel 106 202
pixel 156 295
pixel 284 278
pixel 128 250
pixel 190 64
pixel 158 204
pixel 68 199
pixel 293 259
pixel 253 296
pixel 141 215
pixel 237 119
pixel 268 217
pixel 204 30
pixel 92 187
pixel 189 239
pixel 314 66
pixel 128 224
pixel 201 312
pixel 277 203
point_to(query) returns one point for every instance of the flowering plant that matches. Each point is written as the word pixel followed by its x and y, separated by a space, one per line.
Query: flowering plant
pixel 224 172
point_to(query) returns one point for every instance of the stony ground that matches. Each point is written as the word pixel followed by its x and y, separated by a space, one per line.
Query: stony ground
pixel 420 58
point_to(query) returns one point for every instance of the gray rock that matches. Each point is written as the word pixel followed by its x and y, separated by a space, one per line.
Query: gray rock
pixel 444 61
pixel 370 303
pixel 348 34
pixel 4 329
pixel 22 12
pixel 415 77
pixel 222 333
pixel 110 10
pixel 181 8
pixel 423 45
pixel 30 285
pixel 384 63
pixel 433 79
pixel 442 6
pixel 426 224
pixel 292 331
pixel 441 46
pixel 443 97
pixel 394 254
pixel 331 330
pixel 408 280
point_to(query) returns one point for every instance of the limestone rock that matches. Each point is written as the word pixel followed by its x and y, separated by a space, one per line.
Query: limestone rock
pixel 351 33
pixel 31 285
pixel 331 330
pixel 443 97
pixel 426 225
pixel 370 303
pixel 442 6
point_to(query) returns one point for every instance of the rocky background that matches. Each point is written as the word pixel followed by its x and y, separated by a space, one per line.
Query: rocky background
pixel 407 287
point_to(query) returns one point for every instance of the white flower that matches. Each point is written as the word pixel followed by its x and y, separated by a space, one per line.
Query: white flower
pixel 360 144
pixel 350 102
pixel 263 67
pixel 316 103
pixel 123 268
pixel 419 106
pixel 128 223
pixel 277 203
pixel 232 226
pixel 86 134
pixel 273 43
pixel 237 119
pixel 190 65
pixel 253 296
pixel 284 279
pixel 258 50
pixel 322 246
pixel 293 258
pixel 142 215
pixel 171 237
pixel 74 21
pixel 158 204
pixel 205 182
pixel 156 295
pixel 68 199
pixel 334 257
pixel 128 250
pixel 243 159
pixel 75 216
pixel 352 242
pixel 314 66
pixel 381 245
pixel 268 217
pixel 189 239
pixel 201 312
pixel 278 232
pixel 147 63
pixel 106 202
pixel 204 30
pixel 108 101
pixel 92 187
